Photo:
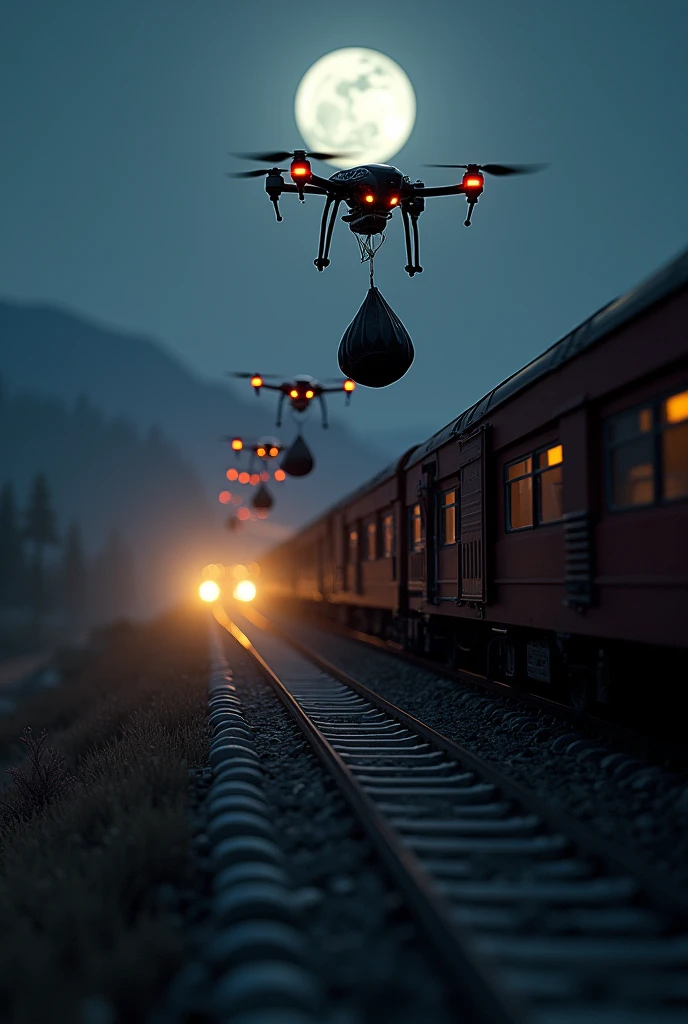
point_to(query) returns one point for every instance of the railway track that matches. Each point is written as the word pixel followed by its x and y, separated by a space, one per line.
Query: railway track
pixel 535 919
pixel 640 743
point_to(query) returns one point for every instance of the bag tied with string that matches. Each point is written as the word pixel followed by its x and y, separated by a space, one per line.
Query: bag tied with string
pixel 298 460
pixel 376 349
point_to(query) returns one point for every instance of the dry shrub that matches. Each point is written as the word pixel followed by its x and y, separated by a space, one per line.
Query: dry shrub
pixel 82 878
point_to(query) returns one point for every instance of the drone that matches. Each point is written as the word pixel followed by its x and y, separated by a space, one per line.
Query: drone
pixel 261 448
pixel 300 390
pixel 371 192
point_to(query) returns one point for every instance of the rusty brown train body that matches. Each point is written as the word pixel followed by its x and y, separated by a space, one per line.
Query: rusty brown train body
pixel 542 536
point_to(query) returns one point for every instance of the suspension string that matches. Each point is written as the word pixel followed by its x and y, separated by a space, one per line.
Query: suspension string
pixel 372 271
pixel 368 249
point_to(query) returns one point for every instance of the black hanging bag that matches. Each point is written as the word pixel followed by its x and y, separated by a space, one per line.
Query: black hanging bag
pixel 298 460
pixel 376 349
pixel 262 498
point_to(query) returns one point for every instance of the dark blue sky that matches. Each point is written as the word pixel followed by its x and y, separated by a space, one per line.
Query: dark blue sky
pixel 116 120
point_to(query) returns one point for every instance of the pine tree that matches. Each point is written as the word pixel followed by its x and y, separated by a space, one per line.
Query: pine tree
pixel 12 569
pixel 40 531
pixel 74 577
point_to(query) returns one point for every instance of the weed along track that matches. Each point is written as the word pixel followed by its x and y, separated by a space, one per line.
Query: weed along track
pixel 532 917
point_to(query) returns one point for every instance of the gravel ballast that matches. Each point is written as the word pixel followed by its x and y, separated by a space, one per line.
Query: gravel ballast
pixel 639 805
pixel 362 945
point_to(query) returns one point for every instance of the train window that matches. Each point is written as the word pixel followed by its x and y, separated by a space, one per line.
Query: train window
pixel 353 546
pixel 534 489
pixel 549 484
pixel 675 446
pixel 448 514
pixel 415 529
pixel 371 541
pixel 519 490
pixel 388 536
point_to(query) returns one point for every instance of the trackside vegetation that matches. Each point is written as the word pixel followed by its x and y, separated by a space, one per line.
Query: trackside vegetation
pixel 94 839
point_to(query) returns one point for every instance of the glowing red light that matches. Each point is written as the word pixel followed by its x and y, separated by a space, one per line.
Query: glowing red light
pixel 300 170
pixel 369 198
pixel 255 479
pixel 225 497
pixel 394 200
pixel 244 477
pixel 264 476
pixel 243 514
pixel 280 475
pixel 473 181
pixel 309 393
pixel 256 382
pixel 232 474
pixel 273 452
pixel 349 385
pixel 293 393
pixel 237 444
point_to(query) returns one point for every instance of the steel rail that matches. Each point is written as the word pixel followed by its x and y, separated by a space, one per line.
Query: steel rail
pixel 403 834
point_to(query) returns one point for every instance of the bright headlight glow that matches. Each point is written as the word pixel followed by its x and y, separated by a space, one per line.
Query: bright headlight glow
pixel 245 590
pixel 209 591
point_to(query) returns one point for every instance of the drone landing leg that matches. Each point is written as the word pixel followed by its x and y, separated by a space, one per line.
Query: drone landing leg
pixel 330 229
pixel 323 408
pixel 409 268
pixel 321 262
pixel 280 403
pixel 416 255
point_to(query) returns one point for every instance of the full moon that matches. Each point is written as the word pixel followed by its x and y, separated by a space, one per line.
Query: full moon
pixel 355 101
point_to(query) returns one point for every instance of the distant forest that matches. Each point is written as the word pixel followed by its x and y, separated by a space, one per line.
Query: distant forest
pixel 96 520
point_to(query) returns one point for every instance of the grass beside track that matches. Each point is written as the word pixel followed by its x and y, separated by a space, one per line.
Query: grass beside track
pixel 90 883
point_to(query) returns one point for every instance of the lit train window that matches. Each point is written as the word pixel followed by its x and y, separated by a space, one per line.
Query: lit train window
pixel 549 478
pixel 416 539
pixel 371 541
pixel 647 453
pixel 448 517
pixel 353 545
pixel 388 536
pixel 534 489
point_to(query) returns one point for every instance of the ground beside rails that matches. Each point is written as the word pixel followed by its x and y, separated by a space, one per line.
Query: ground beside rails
pixel 536 918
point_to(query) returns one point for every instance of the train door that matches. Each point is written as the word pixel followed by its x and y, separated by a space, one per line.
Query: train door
pixel 472 453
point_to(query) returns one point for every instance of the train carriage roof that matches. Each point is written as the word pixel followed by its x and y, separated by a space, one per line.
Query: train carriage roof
pixel 600 325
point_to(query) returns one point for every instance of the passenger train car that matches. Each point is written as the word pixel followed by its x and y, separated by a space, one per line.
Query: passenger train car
pixel 541 537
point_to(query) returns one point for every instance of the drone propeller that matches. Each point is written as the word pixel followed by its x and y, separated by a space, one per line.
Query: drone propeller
pixel 248 376
pixel 499 170
pixel 260 173
pixel 285 155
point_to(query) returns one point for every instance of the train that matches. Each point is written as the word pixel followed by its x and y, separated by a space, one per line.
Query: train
pixel 540 539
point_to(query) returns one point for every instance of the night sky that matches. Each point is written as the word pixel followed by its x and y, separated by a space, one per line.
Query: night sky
pixel 117 119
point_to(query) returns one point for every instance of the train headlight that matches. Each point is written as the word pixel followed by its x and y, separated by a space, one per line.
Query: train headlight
pixel 209 591
pixel 245 590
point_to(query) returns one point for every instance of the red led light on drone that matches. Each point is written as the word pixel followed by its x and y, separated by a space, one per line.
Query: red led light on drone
pixel 369 198
pixel 273 452
pixel 293 393
pixel 473 181
pixel 256 382
pixel 349 385
pixel 309 393
pixel 237 444
pixel 394 200
pixel 301 170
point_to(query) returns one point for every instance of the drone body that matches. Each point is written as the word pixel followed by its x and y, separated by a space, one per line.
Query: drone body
pixel 299 390
pixel 371 192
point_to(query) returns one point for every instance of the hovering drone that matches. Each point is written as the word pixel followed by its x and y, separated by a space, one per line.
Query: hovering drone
pixel 300 391
pixel 261 448
pixel 372 192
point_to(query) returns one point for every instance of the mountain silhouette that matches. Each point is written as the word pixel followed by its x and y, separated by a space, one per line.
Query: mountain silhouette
pixel 49 351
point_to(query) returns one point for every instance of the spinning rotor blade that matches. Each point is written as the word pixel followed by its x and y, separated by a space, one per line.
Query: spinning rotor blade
pixel 247 376
pixel 284 155
pixel 254 174
pixel 499 170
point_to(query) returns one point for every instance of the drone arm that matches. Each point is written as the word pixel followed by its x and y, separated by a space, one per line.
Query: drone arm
pixel 312 190
pixel 440 190
pixel 280 403
pixel 323 409
pixel 268 387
